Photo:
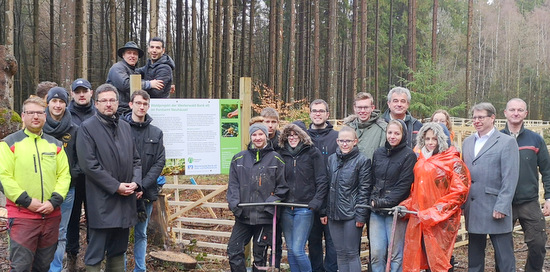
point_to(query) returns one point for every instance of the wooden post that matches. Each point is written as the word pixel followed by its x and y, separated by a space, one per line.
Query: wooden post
pixel 245 95
pixel 135 83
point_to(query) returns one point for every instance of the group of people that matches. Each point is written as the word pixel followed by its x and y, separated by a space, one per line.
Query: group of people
pixel 335 183
pixel 98 149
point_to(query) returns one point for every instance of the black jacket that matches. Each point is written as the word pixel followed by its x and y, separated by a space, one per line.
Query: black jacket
pixel 149 143
pixel 350 177
pixel 81 113
pixel 324 139
pixel 393 174
pixel 305 171
pixel 107 156
pixel 256 175
pixel 161 70
pixel 413 126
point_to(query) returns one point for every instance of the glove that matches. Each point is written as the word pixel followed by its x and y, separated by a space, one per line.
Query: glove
pixel 141 214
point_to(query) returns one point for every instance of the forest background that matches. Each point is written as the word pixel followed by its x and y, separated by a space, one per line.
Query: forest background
pixel 450 53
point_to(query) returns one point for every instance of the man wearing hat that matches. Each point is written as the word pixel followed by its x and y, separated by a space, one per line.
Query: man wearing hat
pixel 119 74
pixel 81 108
pixel 59 125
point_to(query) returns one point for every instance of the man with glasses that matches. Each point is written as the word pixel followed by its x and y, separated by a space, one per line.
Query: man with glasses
pixel 368 124
pixel 493 160
pixel 35 176
pixel 324 138
pixel 148 141
pixel 534 158
pixel 108 157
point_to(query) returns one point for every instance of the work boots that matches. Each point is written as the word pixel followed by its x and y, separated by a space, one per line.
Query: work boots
pixel 115 264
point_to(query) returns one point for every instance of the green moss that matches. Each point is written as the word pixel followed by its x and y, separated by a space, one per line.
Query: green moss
pixel 16 118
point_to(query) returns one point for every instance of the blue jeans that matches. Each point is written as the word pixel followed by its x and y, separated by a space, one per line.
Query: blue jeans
pixel 66 209
pixel 296 224
pixel 140 239
pixel 380 235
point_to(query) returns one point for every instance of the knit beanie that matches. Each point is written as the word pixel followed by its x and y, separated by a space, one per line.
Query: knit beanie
pixel 253 128
pixel 58 92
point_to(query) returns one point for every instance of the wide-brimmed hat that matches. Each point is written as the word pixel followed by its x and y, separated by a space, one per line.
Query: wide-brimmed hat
pixel 130 45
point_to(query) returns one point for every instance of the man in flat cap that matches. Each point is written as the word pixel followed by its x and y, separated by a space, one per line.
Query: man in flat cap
pixel 119 75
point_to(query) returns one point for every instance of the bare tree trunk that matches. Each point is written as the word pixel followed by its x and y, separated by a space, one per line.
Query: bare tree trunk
pixel 469 54
pixel 210 50
pixel 412 38
pixel 169 45
pixel 52 39
pixel 186 67
pixel 279 61
pixel 67 45
pixel 194 52
pixel 81 51
pixel 251 38
pixel 434 32
pixel 36 43
pixel 127 21
pixel 9 50
pixel 272 43
pixel 179 49
pixel 219 56
pixel 242 68
pixel 143 30
pixel 363 53
pixel 331 58
pixel 354 46
pixel 229 50
pixel 316 51
pixel 292 52
pixel 390 45
pixel 377 97
pixel 154 21
pixel 112 28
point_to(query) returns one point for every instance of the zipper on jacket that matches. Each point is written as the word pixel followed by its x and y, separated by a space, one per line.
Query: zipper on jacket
pixel 39 168
pixel 34 158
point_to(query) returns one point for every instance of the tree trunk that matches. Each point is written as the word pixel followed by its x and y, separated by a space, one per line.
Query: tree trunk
pixel 390 45
pixel 81 28
pixel 316 51
pixel 219 53
pixel 272 43
pixel 67 42
pixel 331 58
pixel 228 24
pixel 154 21
pixel 434 32
pixel 143 31
pixel 169 46
pixel 242 53
pixel 292 51
pixel 364 39
pixel 179 49
pixel 52 40
pixel 127 21
pixel 279 61
pixel 251 38
pixel 36 43
pixel 194 52
pixel 377 97
pixel 469 54
pixel 112 29
pixel 210 50
pixel 412 39
pixel 354 46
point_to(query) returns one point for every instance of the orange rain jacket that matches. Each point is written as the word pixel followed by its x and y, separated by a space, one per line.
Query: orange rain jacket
pixel 441 185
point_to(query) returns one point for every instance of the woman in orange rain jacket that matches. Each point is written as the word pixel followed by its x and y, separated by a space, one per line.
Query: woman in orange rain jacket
pixel 441 185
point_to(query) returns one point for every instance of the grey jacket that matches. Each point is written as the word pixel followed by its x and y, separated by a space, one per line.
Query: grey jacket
pixel 371 134
pixel 494 173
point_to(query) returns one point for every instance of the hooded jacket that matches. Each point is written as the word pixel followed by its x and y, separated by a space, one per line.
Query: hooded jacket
pixel 413 126
pixel 305 170
pixel 149 143
pixel 119 76
pixel 371 134
pixel 324 139
pixel 256 175
pixel 393 175
pixel 160 70
pixel 107 156
pixel 350 178
pixel 441 186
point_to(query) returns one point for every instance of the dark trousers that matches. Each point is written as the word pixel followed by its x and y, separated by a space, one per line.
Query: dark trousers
pixel 111 242
pixel 315 247
pixel 33 243
pixel 533 224
pixel 73 229
pixel 240 236
pixel 503 245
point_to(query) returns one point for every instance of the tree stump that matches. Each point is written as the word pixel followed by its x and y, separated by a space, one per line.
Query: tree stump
pixel 169 258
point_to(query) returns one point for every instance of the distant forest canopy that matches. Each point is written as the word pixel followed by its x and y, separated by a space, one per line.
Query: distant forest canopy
pixel 328 49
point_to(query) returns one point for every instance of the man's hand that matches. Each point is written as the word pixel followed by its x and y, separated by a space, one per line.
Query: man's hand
pixel 157 84
pixel 359 224
pixel 126 189
pixel 139 195
pixel 35 204
pixel 498 215
pixel 324 220
pixel 45 208
pixel 546 208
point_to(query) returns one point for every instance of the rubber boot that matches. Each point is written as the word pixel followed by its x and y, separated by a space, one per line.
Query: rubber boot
pixel 115 264
pixel 71 263
pixel 93 268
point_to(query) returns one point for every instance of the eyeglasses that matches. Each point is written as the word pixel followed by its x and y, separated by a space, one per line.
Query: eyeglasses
pixel 107 101
pixel 139 103
pixel 293 136
pixel 363 108
pixel 39 113
pixel 479 118
pixel 318 111
pixel 346 142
